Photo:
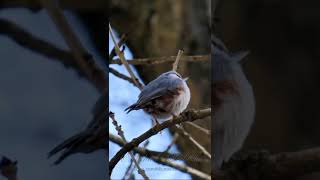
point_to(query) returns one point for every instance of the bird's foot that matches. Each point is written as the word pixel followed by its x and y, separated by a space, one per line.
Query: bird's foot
pixel 157 127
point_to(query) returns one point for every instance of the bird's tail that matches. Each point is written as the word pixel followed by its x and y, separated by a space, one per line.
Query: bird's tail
pixel 68 147
pixel 134 106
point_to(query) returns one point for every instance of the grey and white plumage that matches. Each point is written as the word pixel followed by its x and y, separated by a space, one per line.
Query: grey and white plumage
pixel 163 97
pixel 233 103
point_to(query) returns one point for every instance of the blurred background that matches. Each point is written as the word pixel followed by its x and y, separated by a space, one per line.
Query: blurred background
pixel 157 29
pixel 43 102
pixel 283 68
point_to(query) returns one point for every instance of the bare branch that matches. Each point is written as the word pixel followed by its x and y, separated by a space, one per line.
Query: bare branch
pixel 198 145
pixel 123 60
pixel 92 5
pixel 130 174
pixel 120 43
pixel 162 158
pixel 121 76
pixel 121 134
pixel 8 168
pixel 159 60
pixel 84 60
pixel 176 62
pixel 204 130
pixel 174 139
pixel 189 115
pixel 262 165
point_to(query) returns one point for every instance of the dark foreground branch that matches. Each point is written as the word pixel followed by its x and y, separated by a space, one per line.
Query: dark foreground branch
pixel 263 165
pixel 8 168
pixel 189 115
pixel 37 45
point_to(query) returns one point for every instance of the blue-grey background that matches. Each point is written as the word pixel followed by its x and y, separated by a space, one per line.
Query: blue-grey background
pixel 42 103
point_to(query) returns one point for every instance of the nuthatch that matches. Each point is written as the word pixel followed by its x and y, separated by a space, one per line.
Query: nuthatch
pixel 166 96
pixel 233 102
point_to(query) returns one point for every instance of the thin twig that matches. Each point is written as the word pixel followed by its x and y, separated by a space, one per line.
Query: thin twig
pixel 123 60
pixel 189 115
pixel 198 145
pixel 204 130
pixel 121 76
pixel 159 60
pixel 162 158
pixel 176 62
pixel 126 174
pixel 139 159
pixel 121 134
pixel 120 43
pixel 183 168
pixel 174 139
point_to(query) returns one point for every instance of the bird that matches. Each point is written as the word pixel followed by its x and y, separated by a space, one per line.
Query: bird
pixel 233 102
pixel 165 97
pixel 92 138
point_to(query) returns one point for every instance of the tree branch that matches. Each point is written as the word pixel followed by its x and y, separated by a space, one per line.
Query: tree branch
pixel 121 134
pixel 124 61
pixel 37 45
pixel 8 168
pixel 189 115
pixel 163 158
pixel 159 60
pixel 193 141
pixel 263 165
pixel 83 59
pixel 121 76
pixel 204 130
pixel 92 5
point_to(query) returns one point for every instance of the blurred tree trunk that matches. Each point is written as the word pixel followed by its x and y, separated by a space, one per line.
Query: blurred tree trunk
pixel 161 28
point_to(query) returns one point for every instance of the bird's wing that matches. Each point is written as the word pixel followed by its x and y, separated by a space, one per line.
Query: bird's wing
pixel 90 139
pixel 158 88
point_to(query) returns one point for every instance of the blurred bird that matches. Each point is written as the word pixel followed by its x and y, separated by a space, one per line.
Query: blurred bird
pixel 93 138
pixel 233 102
pixel 166 96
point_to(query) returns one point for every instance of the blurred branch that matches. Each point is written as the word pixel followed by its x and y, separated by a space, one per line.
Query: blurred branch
pixel 37 45
pixel 121 134
pixel 159 60
pixel 8 168
pixel 204 130
pixel 92 5
pixel 83 59
pixel 189 115
pixel 263 165
pixel 198 145
pixel 163 158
